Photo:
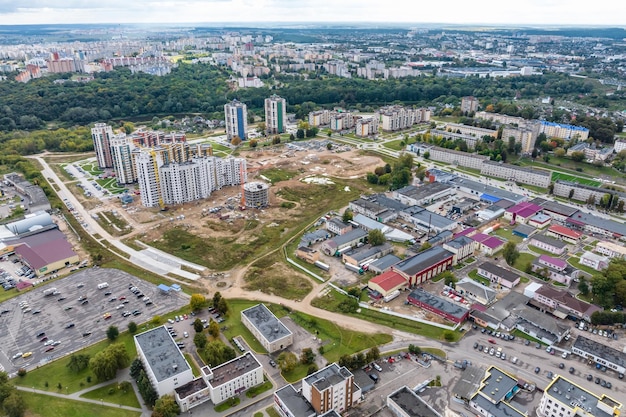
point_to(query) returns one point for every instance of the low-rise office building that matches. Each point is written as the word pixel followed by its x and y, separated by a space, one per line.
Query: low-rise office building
pixel 521 213
pixel 549 244
pixel 583 192
pixel 343 242
pixel 406 403
pixel 563 398
pixel 595 261
pixel 426 194
pixel 476 291
pixel 265 326
pixel 462 247
pixel 498 275
pixel 494 395
pixel 489 245
pixel 594 225
pixel 597 352
pixel 554 268
pixel 610 249
pixel 359 256
pixel 562 304
pixel 440 306
pixel 525 175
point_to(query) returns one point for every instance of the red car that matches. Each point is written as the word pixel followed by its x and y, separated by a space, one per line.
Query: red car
pixel 491 341
pixel 49 348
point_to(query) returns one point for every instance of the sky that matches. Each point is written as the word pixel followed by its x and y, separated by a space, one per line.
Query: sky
pixel 413 12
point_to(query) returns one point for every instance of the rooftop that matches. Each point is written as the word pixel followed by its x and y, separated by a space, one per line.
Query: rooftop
pixel 423 192
pixel 559 263
pixel 501 409
pixel 481 188
pixel 368 251
pixel 564 231
pixel 428 218
pixel 491 242
pixel 352 235
pixel 591 188
pixel 605 352
pixel 502 308
pixel 459 242
pixel 524 229
pixel 385 262
pixel 469 382
pixel 540 218
pixel 327 377
pixel 233 369
pixel 424 260
pixel 541 320
pixel 565 298
pixel 43 248
pixel 500 272
pixel 581 218
pixel 388 280
pixel 537 171
pixel 469 285
pixel 525 209
pixel 497 384
pixel 369 205
pixel 266 322
pixel 555 243
pixel 191 388
pixel 161 353
pixel 368 223
pixel 613 247
pixel 412 404
pixel 295 401
pixel 554 207
pixel 574 396
pixel 439 303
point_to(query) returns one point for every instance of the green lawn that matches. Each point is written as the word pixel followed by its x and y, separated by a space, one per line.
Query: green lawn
pixel 192 364
pixel 541 251
pixel 474 275
pixel 522 335
pixel 507 233
pixel 523 260
pixel 332 300
pixel 576 264
pixel 277 174
pixel 118 397
pixel 40 405
pixel 271 411
pixel 57 372
pixel 396 145
pixel 573 178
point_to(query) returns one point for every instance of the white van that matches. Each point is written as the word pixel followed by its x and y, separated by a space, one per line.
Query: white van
pixel 377 367
pixel 103 285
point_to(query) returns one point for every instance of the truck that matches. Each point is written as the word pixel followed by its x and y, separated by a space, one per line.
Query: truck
pixel 49 291
pixel 391 296
pixel 103 285
pixel 321 265
pixel 353 268
pixel 343 250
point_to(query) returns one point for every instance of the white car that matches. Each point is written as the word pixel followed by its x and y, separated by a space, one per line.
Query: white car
pixel 185 334
pixel 17 355
pixel 48 342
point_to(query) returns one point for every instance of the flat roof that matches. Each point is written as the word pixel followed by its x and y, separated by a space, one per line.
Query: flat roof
pixel 327 377
pixel 439 303
pixel 233 369
pixel 481 188
pixel 605 352
pixel 531 170
pixel 497 384
pixel 266 322
pixel 599 222
pixel 426 217
pixel 424 191
pixel 549 241
pixel 191 388
pixel 367 222
pixel 574 396
pixel 388 280
pixel 366 252
pixel 501 409
pixel 469 382
pixel 554 207
pixel 295 401
pixel 424 260
pixel 524 229
pixel 162 354
pixel 354 234
pixel 613 247
pixel 412 404
pixel 385 262
pixel 459 242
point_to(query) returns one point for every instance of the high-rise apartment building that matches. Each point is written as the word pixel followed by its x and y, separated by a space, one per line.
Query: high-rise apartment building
pixel 236 114
pixel 101 134
pixel 469 104
pixel 121 153
pixel 275 114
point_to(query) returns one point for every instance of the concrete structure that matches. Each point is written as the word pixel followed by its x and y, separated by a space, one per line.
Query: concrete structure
pixel 352 238
pixel 236 117
pixel 291 403
pixel 449 156
pixel 162 360
pixel 425 265
pixel 101 135
pixel 490 245
pixel 478 191
pixel 554 268
pixel 366 126
pixel 427 220
pixel 610 249
pixel 473 290
pixel 462 247
pixel 275 115
pixel 549 244
pixel 37 199
pixel 373 209
pixel 338 226
pixel 619 145
pixel 525 136
pixel 331 388
pixel 559 212
pixel 366 253
pixel 121 154
pixel 405 403
pixel 441 306
pixel 582 192
pixel 564 131
pixel 426 194
pixel 319 118
pixel 256 194
pixel 308 254
pixel 383 264
pixel 494 395
pixel 479 132
pixel 521 213
pixel 396 117
pixel 265 326
pixel 44 250
pixel 595 261
pixel 498 275
pixel 597 352
pixel 563 398
pixel 525 175
pixel 469 104
pixel 539 221
pixel 387 282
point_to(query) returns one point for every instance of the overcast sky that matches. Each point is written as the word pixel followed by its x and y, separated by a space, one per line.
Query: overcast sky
pixel 492 12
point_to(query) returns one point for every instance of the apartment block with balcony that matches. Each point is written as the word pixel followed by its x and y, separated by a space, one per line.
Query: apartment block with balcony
pixel 101 135
pixel 331 388
pixel 236 118
pixel 532 176
pixel 275 115
pixel 121 154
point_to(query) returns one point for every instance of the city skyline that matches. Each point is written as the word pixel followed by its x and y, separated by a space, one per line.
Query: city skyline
pixel 481 12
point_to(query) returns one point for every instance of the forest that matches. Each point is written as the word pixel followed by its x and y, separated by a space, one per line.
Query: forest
pixel 204 89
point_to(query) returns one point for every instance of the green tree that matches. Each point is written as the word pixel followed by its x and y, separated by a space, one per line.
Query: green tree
pixel 132 327
pixel 135 368
pixel 235 141
pixel 300 133
pixel 197 302
pixel 254 143
pixel 112 333
pixel 307 356
pixel 347 215
pixel 312 369
pixel 578 156
pixel 78 362
pixel 197 325
pixel 276 140
pixel 14 405
pixel 372 354
pixel 216 299
pixel 375 237
pixel 287 361
pixel 329 146
pixel 510 253
pixel 426 155
pixel 222 306
pixel 166 406
pixel 214 329
pixel 583 287
pixel 103 366
pixel 200 340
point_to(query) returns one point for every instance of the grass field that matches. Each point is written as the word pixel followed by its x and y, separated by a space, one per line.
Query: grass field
pixel 523 260
pixel 117 397
pixel 396 145
pixel 270 275
pixel 40 405
pixel 474 275
pixel 540 251
pixel 276 174
pixel 507 233
pixel 572 178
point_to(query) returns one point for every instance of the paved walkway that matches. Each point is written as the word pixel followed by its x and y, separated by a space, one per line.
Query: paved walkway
pixel 123 375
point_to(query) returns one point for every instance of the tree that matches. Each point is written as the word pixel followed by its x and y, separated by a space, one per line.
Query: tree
pixel 135 368
pixel 510 253
pixel 197 325
pixel 583 287
pixel 147 391
pixel 533 154
pixel 287 361
pixel 105 363
pixel 307 356
pixel 546 158
pixel 254 143
pixel 222 306
pixel 112 333
pixel 166 406
pixel 578 156
pixel 292 137
pixel 200 340
pixel 214 329
pixel 426 155
pixel 235 141
pixel 372 178
pixel 261 127
pixel 372 354
pixel 560 152
pixel 276 140
pixel 197 302
pixel 132 327
pixel 14 405
pixel 375 237
pixel 347 215
pixel 312 369
pixel 329 146
pixel 216 299
pixel 78 362
pixel 300 133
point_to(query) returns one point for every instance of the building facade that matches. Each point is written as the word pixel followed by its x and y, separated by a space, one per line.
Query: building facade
pixel 265 326
pixel 275 114
pixel 101 135
pixel 236 118
pixel 331 388
pixel 121 154
pixel 563 398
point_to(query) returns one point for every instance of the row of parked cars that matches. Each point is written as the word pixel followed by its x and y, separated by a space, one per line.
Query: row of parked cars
pixel 7 281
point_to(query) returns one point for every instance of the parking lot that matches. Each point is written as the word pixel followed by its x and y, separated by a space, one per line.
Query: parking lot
pixel 65 317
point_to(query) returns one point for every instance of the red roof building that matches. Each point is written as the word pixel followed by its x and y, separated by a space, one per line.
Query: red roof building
pixel 387 282
pixel 564 233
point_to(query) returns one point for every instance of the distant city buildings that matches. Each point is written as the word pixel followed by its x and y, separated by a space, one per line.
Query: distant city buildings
pixel 236 117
